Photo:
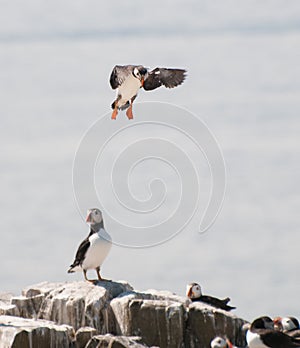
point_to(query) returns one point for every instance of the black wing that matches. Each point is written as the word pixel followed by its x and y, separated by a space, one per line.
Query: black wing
pixel 278 339
pixel 118 75
pixel 170 78
pixel 216 302
pixel 82 249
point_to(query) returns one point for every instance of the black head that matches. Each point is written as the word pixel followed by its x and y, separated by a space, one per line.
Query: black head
pixel 143 71
pixel 262 323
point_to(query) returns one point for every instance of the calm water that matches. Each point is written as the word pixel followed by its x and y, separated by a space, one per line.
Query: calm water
pixel 243 64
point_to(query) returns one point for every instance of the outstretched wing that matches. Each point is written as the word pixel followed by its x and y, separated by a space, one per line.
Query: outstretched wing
pixel 170 78
pixel 82 249
pixel 118 75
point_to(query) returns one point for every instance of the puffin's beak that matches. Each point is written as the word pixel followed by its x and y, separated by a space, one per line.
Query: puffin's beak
pixel 276 320
pixel 190 292
pixel 89 217
pixel 142 81
pixel 229 344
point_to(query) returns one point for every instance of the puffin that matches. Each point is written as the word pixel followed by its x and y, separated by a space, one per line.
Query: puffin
pixel 194 293
pixel 262 335
pixel 94 248
pixel 288 325
pixel 128 79
pixel 220 342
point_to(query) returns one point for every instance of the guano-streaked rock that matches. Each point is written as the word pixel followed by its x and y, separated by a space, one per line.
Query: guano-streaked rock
pixel 110 341
pixel 83 335
pixel 205 322
pixel 160 318
pixel 27 333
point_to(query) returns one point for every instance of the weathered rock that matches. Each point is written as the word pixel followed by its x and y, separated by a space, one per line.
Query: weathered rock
pixel 158 322
pixel 28 307
pixel 6 307
pixel 83 335
pixel 160 318
pixel 110 341
pixel 205 322
pixel 43 288
pixel 77 304
pixel 26 333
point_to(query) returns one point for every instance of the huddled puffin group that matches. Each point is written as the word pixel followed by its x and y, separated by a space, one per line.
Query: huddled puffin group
pixel 263 332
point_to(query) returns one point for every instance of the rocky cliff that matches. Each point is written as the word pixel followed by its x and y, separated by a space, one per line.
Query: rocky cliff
pixel 109 314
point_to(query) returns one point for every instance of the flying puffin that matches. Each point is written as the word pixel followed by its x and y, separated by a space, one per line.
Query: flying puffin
pixel 220 342
pixel 262 335
pixel 94 248
pixel 128 79
pixel 288 325
pixel 193 292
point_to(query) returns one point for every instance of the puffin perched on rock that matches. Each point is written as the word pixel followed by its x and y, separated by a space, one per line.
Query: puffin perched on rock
pixel 261 334
pixel 193 292
pixel 220 342
pixel 95 247
pixel 288 325
pixel 128 79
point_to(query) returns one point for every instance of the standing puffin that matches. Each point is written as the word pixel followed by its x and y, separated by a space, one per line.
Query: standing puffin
pixel 220 342
pixel 95 247
pixel 262 335
pixel 128 79
pixel 288 325
pixel 193 292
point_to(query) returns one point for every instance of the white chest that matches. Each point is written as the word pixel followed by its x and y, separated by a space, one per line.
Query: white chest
pixel 100 244
pixel 254 340
pixel 129 88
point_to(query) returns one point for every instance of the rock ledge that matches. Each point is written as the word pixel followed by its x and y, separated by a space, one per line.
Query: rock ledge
pixel 109 314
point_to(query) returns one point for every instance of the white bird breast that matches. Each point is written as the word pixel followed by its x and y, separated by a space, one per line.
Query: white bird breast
pixel 98 250
pixel 128 89
pixel 254 340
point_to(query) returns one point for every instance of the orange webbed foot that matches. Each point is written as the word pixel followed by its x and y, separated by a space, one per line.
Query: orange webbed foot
pixel 114 114
pixel 129 113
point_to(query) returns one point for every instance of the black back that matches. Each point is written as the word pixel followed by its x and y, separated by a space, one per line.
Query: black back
pixel 277 339
pixel 215 302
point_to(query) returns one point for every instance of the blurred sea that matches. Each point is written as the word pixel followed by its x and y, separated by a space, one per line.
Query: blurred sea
pixel 243 82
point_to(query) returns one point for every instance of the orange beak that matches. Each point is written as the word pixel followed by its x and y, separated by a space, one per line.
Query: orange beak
pixel 229 344
pixel 190 292
pixel 89 217
pixel 142 82
pixel 276 320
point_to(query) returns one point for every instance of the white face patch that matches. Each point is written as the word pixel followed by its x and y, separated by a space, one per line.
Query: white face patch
pixel 136 73
pixel 193 291
pixel 218 342
pixel 288 324
pixel 197 291
pixel 96 216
